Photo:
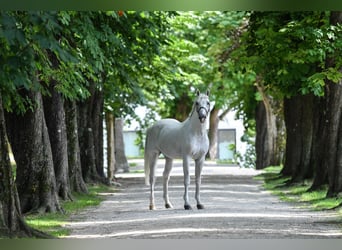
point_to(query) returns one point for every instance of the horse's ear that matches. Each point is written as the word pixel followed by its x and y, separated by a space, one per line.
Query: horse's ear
pixel 198 92
pixel 208 92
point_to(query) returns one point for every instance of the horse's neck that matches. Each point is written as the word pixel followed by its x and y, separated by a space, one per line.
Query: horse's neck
pixel 194 125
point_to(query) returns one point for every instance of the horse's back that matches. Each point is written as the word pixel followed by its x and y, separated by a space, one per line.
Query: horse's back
pixel 163 124
pixel 162 134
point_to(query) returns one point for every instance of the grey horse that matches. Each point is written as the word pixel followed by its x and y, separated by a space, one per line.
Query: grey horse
pixel 181 140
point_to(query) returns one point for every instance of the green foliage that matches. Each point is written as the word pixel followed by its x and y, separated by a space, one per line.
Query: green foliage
pixel 78 49
pixel 290 49
pixel 31 45
pixel 195 57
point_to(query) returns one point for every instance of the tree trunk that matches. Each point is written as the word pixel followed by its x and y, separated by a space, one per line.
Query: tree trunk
pixel 298 112
pixel 31 146
pixel 97 121
pixel 12 223
pixel 86 142
pixel 87 136
pixel 267 153
pixel 55 121
pixel 120 156
pixel 333 146
pixel 320 131
pixel 213 127
pixel 74 158
pixel 335 112
pixel 328 144
pixel 110 146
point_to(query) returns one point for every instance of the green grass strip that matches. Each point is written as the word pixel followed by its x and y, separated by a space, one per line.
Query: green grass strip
pixel 53 223
pixel 298 192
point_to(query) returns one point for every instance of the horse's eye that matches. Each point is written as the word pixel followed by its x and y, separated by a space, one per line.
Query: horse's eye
pixel 197 103
pixel 208 103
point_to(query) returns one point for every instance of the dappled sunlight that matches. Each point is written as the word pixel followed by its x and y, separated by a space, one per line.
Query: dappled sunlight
pixel 234 208
pixel 147 232
pixel 183 217
pixel 215 232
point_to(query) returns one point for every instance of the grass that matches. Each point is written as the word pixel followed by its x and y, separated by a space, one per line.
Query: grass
pixel 53 223
pixel 298 192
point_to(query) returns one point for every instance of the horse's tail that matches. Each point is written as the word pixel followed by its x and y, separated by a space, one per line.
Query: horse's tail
pixel 146 161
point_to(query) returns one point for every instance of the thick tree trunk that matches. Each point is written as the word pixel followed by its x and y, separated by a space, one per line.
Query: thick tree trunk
pixel 12 223
pixel 87 139
pixel 55 121
pixel 333 146
pixel 328 143
pixel 97 117
pixel 86 142
pixel 318 139
pixel 334 156
pixel 31 147
pixel 213 127
pixel 267 149
pixel 298 112
pixel 77 183
pixel 261 140
pixel 121 162
pixel 110 146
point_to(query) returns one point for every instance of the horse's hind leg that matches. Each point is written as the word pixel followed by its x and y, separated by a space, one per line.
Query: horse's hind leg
pixel 153 157
pixel 166 178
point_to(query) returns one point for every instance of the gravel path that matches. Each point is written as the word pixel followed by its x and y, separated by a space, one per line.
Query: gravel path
pixel 236 206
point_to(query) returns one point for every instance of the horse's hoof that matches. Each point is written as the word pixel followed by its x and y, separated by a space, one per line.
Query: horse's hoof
pixel 152 207
pixel 187 207
pixel 167 205
pixel 200 206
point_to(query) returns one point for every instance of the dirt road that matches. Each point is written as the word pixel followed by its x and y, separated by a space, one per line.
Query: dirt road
pixel 236 206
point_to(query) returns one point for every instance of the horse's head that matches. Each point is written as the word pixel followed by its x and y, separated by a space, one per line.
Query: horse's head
pixel 202 105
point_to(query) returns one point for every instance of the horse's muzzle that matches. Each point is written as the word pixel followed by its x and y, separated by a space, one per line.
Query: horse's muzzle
pixel 202 114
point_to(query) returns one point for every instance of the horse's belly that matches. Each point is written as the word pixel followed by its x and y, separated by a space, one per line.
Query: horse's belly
pixel 171 147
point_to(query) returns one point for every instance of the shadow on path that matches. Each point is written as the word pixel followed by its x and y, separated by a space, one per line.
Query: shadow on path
pixel 236 206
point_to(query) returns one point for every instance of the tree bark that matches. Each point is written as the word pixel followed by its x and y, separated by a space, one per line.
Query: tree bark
pixel 328 149
pixel 333 146
pixel 97 121
pixel 335 113
pixel 12 223
pixel 110 146
pixel 77 183
pixel 212 134
pixel 298 112
pixel 86 142
pixel 87 133
pixel 121 162
pixel 31 147
pixel 55 121
pixel 320 171
pixel 267 149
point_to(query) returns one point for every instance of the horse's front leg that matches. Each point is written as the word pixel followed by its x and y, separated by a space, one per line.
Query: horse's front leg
pixel 198 171
pixel 186 182
pixel 166 176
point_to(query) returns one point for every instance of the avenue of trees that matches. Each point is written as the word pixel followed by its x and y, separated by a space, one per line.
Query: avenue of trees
pixel 63 74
